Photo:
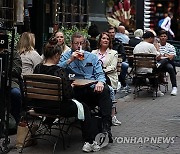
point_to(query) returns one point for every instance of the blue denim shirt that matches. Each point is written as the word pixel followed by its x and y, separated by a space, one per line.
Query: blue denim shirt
pixel 89 68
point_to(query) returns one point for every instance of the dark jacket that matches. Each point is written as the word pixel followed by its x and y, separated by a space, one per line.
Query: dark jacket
pixel 60 72
pixel 118 46
pixel 16 69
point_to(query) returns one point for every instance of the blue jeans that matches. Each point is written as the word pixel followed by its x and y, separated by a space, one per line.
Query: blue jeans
pixel 16 100
pixel 122 76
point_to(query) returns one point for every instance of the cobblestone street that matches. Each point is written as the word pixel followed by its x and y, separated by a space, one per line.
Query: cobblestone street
pixel 143 118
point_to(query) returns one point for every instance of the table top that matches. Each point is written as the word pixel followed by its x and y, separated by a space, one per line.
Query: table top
pixel 83 82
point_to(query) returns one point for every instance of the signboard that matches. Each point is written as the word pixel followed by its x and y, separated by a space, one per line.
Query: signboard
pixel 4 41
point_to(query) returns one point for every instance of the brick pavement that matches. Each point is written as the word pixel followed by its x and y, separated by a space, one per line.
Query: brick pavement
pixel 140 117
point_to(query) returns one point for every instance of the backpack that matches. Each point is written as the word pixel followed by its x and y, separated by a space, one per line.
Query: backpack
pixel 160 22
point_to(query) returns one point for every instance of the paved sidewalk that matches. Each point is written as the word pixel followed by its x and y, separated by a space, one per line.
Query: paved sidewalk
pixel 143 118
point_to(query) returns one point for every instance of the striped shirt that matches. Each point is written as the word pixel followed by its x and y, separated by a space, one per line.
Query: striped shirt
pixel 167 49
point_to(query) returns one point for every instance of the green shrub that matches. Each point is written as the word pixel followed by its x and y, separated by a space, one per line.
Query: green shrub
pixel 69 31
pixel 16 38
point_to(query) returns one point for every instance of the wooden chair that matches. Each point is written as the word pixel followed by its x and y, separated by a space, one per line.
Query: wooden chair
pixel 129 56
pixel 43 95
pixel 144 61
pixel 163 81
pixel 119 64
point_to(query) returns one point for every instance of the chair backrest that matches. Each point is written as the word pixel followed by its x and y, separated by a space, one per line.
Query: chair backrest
pixel 119 62
pixel 41 89
pixel 129 51
pixel 129 54
pixel 144 61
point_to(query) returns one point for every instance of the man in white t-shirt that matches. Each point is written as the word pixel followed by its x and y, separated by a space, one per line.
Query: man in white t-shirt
pixel 168 50
pixel 147 47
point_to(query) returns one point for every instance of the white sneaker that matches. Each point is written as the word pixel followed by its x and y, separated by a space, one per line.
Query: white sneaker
pixel 87 147
pixel 119 86
pixel 174 91
pixel 158 64
pixel 115 121
pixel 159 93
pixel 95 146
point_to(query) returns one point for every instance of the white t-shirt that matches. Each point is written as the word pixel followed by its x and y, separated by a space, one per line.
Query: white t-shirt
pixel 146 48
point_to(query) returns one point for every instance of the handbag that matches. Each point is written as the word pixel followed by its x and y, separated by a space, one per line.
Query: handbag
pixel 23 138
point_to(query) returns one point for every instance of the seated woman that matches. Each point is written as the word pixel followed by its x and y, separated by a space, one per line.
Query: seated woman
pixel 108 57
pixel 68 107
pixel 29 56
pixel 61 40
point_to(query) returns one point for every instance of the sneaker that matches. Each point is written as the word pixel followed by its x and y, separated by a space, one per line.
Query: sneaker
pixel 159 93
pixel 119 86
pixel 115 121
pixel 126 89
pixel 174 91
pixel 95 146
pixel 158 64
pixel 87 147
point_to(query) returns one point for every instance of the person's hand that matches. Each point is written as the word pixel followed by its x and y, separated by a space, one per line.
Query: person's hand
pixel 74 56
pixel 99 87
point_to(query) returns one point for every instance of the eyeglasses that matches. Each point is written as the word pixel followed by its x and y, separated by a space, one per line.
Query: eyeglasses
pixel 77 43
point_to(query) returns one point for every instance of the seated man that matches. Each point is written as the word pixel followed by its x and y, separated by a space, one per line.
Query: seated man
pixel 68 108
pixel 121 35
pixel 118 46
pixel 168 50
pixel 89 67
pixel 147 47
pixel 137 38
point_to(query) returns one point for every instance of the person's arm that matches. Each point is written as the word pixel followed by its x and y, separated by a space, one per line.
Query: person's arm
pixel 171 32
pixel 98 72
pixel 110 68
pixel 172 53
pixel 16 65
pixel 165 23
pixel 36 58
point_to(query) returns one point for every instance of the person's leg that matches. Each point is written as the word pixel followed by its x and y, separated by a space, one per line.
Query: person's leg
pixel 103 100
pixel 16 101
pixel 70 109
pixel 122 76
pixel 115 121
pixel 169 68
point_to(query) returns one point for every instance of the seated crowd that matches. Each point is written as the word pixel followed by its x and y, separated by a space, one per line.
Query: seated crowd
pixel 100 64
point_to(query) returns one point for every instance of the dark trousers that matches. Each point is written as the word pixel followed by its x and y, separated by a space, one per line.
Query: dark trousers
pixel 171 70
pixel 69 109
pixel 92 99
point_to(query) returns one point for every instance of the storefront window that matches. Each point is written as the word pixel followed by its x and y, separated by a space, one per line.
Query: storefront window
pixel 70 13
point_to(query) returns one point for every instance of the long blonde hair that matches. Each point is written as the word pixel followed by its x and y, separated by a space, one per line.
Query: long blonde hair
pixel 26 42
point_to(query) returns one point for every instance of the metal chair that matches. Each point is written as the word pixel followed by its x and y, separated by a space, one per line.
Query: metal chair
pixel 119 64
pixel 129 56
pixel 147 61
pixel 43 95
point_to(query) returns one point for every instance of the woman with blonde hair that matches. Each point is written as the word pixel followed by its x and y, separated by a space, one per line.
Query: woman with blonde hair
pixel 29 56
pixel 61 40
